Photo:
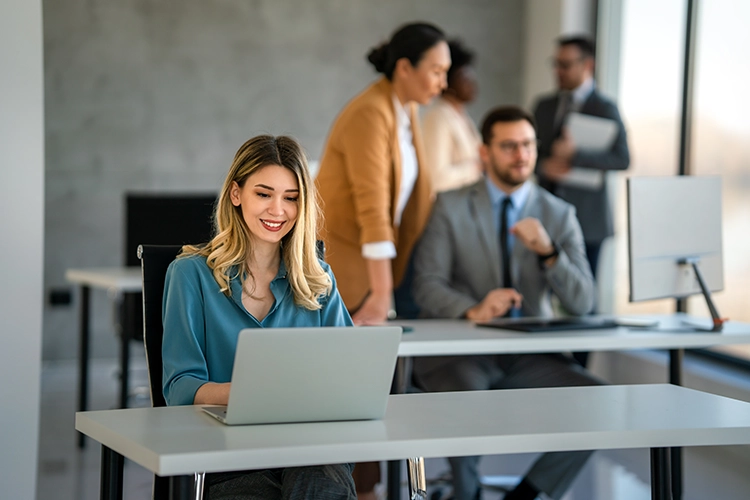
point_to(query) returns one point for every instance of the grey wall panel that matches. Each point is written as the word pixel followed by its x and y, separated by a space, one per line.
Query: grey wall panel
pixel 153 95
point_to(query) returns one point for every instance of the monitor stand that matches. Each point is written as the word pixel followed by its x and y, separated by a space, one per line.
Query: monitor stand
pixel 718 321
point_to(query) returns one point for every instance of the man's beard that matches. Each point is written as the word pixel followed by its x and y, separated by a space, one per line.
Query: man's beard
pixel 507 178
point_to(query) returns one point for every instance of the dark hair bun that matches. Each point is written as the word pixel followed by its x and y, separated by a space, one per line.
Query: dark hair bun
pixel 378 57
pixel 410 41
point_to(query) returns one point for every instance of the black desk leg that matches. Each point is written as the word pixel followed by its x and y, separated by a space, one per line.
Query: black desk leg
pixel 124 356
pixel 399 385
pixel 83 355
pixel 180 487
pixel 675 377
pixel 660 474
pixel 676 461
pixel 111 477
pixel 394 479
pixel 675 366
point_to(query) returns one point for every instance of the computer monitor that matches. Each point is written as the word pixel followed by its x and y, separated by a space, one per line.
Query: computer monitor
pixel 675 238
pixel 166 219
pixel 161 219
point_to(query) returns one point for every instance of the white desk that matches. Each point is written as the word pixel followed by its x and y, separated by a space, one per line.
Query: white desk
pixel 181 440
pixel 116 280
pixel 460 337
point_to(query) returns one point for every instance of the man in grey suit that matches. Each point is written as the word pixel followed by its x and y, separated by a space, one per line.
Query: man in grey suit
pixel 559 156
pixel 501 247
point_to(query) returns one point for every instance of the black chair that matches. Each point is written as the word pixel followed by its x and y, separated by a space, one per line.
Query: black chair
pixel 157 219
pixel 155 260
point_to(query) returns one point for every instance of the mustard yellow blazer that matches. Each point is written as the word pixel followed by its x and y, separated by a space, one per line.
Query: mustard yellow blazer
pixel 358 181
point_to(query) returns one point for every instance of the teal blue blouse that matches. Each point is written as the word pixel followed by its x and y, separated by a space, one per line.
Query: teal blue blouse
pixel 201 324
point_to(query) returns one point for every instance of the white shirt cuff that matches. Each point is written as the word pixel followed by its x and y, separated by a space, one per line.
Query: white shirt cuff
pixel 379 250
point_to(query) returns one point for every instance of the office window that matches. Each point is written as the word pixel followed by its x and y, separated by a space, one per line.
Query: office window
pixel 652 48
pixel 721 144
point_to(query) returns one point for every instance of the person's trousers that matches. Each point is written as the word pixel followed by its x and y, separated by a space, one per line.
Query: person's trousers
pixel 593 250
pixel 367 474
pixel 552 473
pixel 318 482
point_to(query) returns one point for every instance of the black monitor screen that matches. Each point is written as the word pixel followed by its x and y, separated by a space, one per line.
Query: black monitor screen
pixel 166 219
pixel 161 219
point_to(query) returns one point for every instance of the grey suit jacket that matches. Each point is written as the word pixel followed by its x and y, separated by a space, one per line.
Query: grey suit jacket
pixel 457 261
pixel 594 212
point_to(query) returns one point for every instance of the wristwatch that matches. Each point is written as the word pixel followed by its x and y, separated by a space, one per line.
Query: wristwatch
pixel 543 258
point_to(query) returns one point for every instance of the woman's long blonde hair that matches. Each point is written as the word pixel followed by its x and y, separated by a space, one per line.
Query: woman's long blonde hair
pixel 232 244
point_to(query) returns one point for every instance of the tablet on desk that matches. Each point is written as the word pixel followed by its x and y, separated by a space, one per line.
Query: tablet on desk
pixel 541 325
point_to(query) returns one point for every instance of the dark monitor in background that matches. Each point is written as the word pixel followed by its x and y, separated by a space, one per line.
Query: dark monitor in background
pixel 161 219
pixel 166 219
pixel 675 238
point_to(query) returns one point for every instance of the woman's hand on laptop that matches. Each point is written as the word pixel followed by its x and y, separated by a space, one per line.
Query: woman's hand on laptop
pixel 212 393
pixel 496 303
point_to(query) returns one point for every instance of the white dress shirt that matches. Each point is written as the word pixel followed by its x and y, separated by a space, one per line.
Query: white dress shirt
pixel 409 172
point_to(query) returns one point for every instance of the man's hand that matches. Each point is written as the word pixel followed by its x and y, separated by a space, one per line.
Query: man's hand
pixel 555 169
pixel 533 236
pixel 496 303
pixel 374 310
pixel 564 147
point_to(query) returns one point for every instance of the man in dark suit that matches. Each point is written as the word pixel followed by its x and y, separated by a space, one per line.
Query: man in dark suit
pixel 560 160
pixel 574 174
pixel 500 247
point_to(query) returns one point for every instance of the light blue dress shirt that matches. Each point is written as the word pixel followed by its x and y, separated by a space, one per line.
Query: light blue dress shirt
pixel 202 325
pixel 518 201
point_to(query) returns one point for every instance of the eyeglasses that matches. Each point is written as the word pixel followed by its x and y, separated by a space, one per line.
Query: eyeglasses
pixel 565 65
pixel 511 147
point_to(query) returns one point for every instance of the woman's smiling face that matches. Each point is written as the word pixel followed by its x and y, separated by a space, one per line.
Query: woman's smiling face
pixel 269 203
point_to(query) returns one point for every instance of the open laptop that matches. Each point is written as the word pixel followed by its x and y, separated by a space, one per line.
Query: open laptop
pixel 310 374
pixel 534 325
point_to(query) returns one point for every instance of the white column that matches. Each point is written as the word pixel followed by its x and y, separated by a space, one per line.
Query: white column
pixel 546 20
pixel 21 242
pixel 608 40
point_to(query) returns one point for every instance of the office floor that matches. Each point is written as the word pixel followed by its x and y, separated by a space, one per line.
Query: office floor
pixel 65 473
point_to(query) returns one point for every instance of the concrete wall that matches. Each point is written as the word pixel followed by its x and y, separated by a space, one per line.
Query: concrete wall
pixel 147 95
pixel 21 227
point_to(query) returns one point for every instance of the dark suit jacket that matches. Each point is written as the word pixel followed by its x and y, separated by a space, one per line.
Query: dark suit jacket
pixel 592 206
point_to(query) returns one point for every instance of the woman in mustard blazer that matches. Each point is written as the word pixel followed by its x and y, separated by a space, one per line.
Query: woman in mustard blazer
pixel 374 187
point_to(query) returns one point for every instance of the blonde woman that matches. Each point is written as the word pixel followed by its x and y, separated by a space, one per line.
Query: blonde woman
pixel 259 271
